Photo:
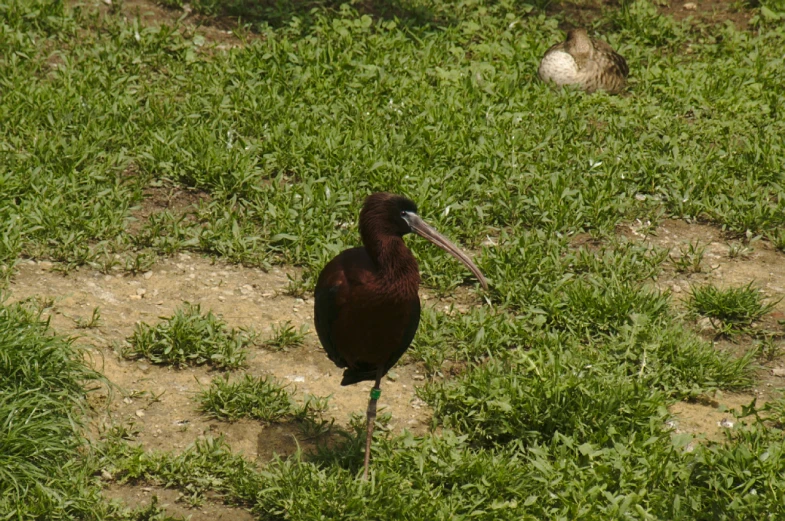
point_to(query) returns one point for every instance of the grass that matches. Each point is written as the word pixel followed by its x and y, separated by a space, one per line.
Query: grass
pixel 285 335
pixel 260 398
pixel 643 476
pixel 190 337
pixel 733 308
pixel 266 400
pixel 44 469
pixel 690 259
pixel 565 374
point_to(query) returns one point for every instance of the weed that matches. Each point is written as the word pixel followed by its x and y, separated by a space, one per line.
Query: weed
pixel 167 234
pixel 774 411
pixel 778 240
pixel 261 398
pixel 734 308
pixel 285 335
pixel 140 263
pixel 310 418
pixel 190 338
pixel 93 322
pixel 770 348
pixel 690 259
pixel 739 250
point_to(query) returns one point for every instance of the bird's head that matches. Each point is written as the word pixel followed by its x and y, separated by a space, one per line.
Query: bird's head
pixel 578 43
pixel 394 215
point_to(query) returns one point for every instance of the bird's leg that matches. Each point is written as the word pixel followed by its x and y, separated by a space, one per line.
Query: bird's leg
pixel 376 392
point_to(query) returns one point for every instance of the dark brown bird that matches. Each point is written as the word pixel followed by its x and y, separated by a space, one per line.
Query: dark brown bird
pixel 583 61
pixel 367 306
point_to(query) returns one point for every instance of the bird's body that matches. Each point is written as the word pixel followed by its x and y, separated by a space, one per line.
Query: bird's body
pixel 585 62
pixel 366 305
pixel 364 319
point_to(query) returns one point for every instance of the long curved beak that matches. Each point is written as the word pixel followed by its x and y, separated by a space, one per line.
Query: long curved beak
pixel 427 231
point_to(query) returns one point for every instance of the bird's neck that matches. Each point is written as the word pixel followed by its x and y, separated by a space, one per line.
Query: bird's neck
pixel 397 266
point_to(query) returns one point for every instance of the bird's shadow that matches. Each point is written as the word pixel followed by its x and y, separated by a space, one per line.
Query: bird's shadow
pixel 345 447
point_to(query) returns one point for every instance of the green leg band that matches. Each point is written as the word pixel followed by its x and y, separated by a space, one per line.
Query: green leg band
pixel 375 393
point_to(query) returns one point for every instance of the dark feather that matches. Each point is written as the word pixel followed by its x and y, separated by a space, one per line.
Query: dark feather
pixel 367 372
pixel 325 313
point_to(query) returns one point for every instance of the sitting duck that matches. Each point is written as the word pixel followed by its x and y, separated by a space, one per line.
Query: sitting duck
pixel 585 62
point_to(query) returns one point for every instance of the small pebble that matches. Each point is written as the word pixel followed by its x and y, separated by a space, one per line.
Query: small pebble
pixel 140 413
pixel 147 274
pixel 106 475
pixel 690 6
pixel 141 291
pixel 778 371
pixel 725 423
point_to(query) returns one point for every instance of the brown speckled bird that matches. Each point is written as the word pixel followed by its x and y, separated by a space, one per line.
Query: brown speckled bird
pixel 585 62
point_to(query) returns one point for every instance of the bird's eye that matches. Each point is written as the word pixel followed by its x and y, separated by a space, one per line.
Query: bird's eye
pixel 403 213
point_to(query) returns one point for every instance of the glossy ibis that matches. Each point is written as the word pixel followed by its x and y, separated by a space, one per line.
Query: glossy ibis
pixel 583 61
pixel 366 307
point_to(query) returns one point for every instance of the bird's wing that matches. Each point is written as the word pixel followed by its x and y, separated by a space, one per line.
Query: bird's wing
pixel 408 335
pixel 325 314
pixel 616 60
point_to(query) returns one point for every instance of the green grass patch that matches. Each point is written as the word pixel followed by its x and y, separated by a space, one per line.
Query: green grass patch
pixel 265 399
pixel 732 308
pixel 288 133
pixel 549 394
pixel 190 337
pixel 285 335
pixel 642 476
pixel 260 398
pixel 44 470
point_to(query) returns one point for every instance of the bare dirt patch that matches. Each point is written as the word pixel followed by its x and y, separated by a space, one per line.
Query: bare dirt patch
pixel 223 32
pixel 174 199
pixel 173 501
pixel 708 420
pixel 158 401
pixel 582 13
pixel 761 264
